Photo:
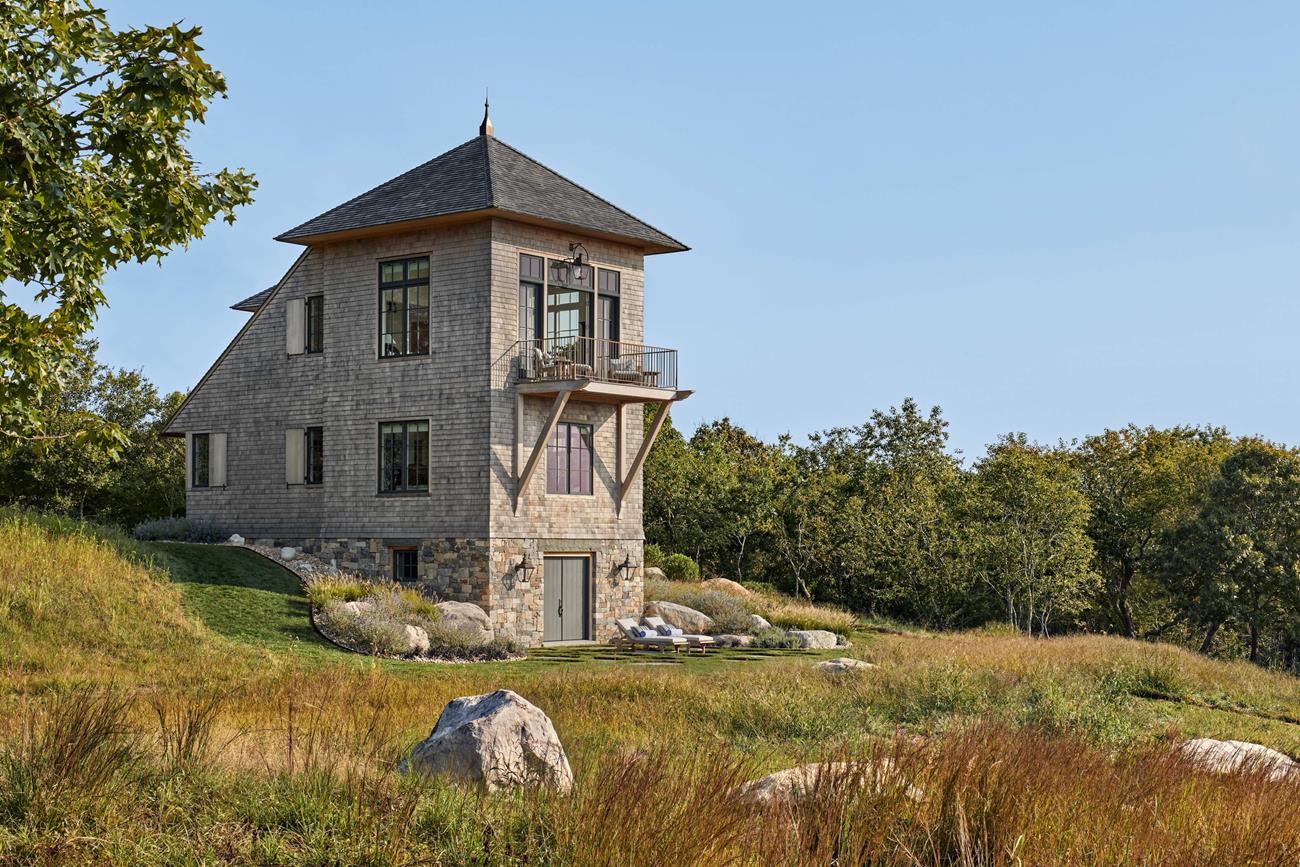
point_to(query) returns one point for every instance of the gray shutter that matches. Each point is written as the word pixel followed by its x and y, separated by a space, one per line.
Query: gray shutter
pixel 295 335
pixel 189 461
pixel 217 460
pixel 294 467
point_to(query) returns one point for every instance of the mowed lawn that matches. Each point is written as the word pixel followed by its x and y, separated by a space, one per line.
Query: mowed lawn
pixel 245 597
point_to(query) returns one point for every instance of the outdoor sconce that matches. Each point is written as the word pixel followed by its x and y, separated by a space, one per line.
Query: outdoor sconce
pixel 525 568
pixel 573 270
pixel 625 568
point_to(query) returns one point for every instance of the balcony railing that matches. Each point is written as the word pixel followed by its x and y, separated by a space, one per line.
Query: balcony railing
pixel 616 361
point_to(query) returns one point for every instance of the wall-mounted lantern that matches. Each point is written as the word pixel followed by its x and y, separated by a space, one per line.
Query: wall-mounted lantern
pixel 525 567
pixel 625 568
pixel 574 271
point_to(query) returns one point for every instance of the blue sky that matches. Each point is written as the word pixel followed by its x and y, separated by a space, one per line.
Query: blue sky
pixel 1049 218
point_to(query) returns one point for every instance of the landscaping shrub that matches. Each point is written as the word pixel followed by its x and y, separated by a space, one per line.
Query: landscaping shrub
pixel 177 530
pixel 323 589
pixel 653 556
pixel 679 567
pixel 776 638
pixel 370 631
pixel 729 613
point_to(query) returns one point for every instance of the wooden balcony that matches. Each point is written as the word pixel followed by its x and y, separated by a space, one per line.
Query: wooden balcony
pixel 590 368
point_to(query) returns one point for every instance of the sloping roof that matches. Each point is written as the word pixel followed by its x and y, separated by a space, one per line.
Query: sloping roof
pixel 253 302
pixel 483 175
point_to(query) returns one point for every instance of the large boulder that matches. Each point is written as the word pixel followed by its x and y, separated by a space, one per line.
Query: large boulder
pixel 686 619
pixel 794 785
pixel 417 640
pixel 655 573
pixel 726 585
pixel 758 623
pixel 1230 757
pixel 494 741
pixel 466 617
pixel 817 639
pixel 845 665
pixel 732 640
pixel 357 607
pixel 235 539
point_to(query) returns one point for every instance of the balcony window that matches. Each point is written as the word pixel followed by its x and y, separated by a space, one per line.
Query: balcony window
pixel 404 307
pixel 568 460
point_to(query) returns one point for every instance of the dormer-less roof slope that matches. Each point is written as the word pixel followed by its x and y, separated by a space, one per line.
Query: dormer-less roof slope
pixel 252 303
pixel 483 176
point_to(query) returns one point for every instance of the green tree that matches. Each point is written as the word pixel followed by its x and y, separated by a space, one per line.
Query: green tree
pixel 1140 483
pixel 74 476
pixel 1238 558
pixel 1031 525
pixel 735 483
pixel 94 174
pixel 897 546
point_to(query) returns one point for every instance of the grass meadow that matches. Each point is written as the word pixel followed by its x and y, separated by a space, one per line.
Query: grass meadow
pixel 170 704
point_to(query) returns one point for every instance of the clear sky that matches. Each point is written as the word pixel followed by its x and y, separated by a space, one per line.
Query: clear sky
pixel 1044 217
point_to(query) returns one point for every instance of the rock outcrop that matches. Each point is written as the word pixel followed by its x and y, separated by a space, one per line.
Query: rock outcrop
pixel 845 665
pixel 495 741
pixel 1231 757
pixel 686 619
pixel 817 639
pixel 466 617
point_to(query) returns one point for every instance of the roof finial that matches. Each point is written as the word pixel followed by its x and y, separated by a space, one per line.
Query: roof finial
pixel 485 128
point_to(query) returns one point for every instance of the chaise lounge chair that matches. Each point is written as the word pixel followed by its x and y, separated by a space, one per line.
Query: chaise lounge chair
pixel 628 635
pixel 693 642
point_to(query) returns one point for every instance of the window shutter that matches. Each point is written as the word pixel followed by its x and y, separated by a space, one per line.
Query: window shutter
pixel 295 335
pixel 189 461
pixel 293 458
pixel 217 460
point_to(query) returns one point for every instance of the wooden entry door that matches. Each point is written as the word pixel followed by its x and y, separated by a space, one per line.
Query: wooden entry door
pixel 567 599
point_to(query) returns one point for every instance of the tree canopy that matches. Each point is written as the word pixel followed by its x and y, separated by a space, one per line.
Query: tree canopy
pixel 94 174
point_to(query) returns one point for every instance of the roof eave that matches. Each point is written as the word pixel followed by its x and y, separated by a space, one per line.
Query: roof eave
pixel 649 247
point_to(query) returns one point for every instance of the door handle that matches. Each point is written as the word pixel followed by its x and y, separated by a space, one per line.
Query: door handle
pixel 561 611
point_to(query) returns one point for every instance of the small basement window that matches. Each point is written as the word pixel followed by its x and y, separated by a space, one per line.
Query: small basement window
pixel 406 564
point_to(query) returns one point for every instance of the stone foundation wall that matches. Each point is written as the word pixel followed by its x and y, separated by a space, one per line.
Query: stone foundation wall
pixel 485 572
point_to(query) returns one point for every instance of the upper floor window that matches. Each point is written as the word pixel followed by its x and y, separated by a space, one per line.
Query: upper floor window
pixel 404 307
pixel 200 456
pixel 607 312
pixel 568 459
pixel 531 280
pixel 403 456
pixel 315 341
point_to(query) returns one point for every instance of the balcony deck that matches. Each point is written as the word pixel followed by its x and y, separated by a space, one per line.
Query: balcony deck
pixel 605 371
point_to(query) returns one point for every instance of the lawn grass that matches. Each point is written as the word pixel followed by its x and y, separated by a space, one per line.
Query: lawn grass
pixel 1032 751
pixel 245 597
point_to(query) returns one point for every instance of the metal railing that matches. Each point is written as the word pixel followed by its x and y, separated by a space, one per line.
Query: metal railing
pixel 566 358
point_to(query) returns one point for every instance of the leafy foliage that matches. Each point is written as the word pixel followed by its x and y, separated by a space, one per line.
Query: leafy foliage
pixel 94 174
pixel 679 567
pixel 1182 533
pixel 69 474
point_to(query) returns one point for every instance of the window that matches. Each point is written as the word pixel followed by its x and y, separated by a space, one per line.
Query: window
pixel 406 564
pixel 315 470
pixel 607 305
pixel 404 307
pixel 568 459
pixel 316 323
pixel 403 456
pixel 530 296
pixel 200 461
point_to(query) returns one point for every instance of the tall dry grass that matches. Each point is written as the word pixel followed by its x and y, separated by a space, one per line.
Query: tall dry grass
pixel 91 787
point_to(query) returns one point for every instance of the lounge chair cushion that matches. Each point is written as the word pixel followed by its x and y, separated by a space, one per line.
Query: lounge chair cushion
pixel 642 632
pixel 665 629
